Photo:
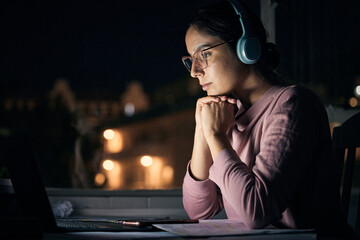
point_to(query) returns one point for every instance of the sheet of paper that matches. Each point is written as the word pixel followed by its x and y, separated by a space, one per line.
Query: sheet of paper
pixel 112 235
pixel 221 227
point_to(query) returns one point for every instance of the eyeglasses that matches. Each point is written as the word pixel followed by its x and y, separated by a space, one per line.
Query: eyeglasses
pixel 199 58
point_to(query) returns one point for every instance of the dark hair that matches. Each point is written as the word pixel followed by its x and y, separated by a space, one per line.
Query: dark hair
pixel 220 20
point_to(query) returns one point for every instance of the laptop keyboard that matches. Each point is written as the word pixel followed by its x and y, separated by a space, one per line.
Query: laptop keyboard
pixel 93 225
pixel 79 224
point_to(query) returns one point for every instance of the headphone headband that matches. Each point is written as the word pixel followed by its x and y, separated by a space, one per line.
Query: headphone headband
pixel 248 47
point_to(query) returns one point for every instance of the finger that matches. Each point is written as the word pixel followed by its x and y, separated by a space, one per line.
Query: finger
pixel 223 98
pixel 208 99
pixel 232 100
pixel 227 99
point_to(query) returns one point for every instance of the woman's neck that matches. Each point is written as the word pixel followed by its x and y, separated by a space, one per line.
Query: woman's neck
pixel 252 89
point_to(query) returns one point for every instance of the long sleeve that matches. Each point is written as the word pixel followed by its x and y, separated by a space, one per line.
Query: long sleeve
pixel 280 147
pixel 201 199
pixel 279 170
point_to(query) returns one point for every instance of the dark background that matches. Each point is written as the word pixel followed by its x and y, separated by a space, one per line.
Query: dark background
pixel 96 45
pixel 100 46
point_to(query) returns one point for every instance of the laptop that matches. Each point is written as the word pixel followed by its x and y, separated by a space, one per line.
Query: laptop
pixel 31 197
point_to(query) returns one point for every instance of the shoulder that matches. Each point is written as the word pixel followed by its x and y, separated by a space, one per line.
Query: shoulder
pixel 285 92
pixel 299 102
pixel 296 102
pixel 296 94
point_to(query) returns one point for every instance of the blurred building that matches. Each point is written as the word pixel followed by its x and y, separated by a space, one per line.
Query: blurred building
pixel 129 141
pixel 150 152
pixel 148 147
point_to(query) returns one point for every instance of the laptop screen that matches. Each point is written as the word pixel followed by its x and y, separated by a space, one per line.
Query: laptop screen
pixel 31 198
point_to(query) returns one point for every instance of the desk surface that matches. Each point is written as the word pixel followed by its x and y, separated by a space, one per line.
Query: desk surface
pixel 223 229
pixel 167 235
pixel 205 229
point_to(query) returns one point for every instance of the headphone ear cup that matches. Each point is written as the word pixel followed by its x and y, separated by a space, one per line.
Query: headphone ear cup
pixel 248 50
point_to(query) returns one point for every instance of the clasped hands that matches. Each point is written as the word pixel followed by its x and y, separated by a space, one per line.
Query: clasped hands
pixel 215 115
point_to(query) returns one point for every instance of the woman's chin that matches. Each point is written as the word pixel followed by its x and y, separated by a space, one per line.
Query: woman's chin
pixel 215 93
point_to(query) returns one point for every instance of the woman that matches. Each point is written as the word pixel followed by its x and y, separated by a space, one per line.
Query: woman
pixel 261 150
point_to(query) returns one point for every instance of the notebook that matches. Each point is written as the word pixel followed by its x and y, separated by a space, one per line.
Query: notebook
pixel 31 197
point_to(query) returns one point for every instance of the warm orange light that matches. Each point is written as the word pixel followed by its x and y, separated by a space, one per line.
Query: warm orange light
pixel 108 165
pixel 114 143
pixel 146 161
pixel 168 174
pixel 99 179
pixel 353 102
pixel 114 178
pixel 153 173
pixel 109 134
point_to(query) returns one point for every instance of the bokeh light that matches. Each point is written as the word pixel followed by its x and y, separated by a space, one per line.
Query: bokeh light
pixel 129 109
pixel 109 134
pixel 108 165
pixel 353 102
pixel 168 174
pixel 146 161
pixel 100 179
pixel 357 90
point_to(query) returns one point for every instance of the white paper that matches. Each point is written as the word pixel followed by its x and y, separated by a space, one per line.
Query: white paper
pixel 117 235
pixel 221 227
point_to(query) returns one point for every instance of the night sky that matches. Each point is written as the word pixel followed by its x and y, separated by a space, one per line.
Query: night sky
pixel 96 45
pixel 100 46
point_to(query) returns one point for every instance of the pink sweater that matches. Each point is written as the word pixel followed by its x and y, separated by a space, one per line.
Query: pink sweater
pixel 280 169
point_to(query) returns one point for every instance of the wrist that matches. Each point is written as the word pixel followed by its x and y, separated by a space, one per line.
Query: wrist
pixel 215 136
pixel 217 143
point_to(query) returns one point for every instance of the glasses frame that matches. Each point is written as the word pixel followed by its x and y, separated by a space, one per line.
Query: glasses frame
pixel 202 52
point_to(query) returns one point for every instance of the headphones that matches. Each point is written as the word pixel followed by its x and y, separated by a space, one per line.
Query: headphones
pixel 248 47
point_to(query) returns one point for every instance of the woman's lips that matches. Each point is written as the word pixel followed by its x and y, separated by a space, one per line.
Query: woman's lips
pixel 206 86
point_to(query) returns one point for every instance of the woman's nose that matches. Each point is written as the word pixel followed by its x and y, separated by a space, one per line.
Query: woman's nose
pixel 196 71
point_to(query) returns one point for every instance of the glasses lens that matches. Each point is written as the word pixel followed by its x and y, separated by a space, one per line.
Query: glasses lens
pixel 201 60
pixel 188 63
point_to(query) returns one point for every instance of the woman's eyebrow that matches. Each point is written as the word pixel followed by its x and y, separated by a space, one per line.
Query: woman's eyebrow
pixel 201 46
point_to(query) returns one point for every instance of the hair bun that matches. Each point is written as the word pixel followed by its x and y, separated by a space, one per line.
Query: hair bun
pixel 271 56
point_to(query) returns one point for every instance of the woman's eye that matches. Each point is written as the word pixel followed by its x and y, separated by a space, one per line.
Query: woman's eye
pixel 207 54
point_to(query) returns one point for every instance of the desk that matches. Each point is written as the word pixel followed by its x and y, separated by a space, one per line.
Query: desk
pixel 166 235
pixel 222 229
pixel 205 229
